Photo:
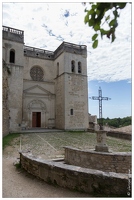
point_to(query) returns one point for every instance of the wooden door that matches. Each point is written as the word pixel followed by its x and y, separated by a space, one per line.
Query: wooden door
pixel 36 119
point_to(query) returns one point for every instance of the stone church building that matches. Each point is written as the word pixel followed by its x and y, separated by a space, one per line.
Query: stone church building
pixel 41 88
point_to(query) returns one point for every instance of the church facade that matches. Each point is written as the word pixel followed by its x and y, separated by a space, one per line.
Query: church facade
pixel 46 89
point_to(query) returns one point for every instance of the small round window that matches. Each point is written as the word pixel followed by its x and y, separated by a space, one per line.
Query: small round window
pixel 36 73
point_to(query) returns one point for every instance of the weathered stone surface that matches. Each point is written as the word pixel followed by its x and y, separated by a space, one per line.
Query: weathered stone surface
pixel 101 142
pixel 5 111
pixel 77 178
pixel 54 95
pixel 119 162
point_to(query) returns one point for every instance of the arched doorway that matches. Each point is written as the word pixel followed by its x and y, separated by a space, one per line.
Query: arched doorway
pixel 37 113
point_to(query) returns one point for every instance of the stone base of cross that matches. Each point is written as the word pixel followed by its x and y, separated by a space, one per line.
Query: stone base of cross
pixel 101 141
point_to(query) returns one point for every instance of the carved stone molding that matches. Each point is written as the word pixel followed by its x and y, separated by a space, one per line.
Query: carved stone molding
pixel 41 105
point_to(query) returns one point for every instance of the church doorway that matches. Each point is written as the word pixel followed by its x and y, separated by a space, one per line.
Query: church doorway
pixel 36 119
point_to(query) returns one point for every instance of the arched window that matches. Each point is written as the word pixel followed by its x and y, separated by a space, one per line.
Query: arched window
pixel 12 56
pixel 73 66
pixel 79 67
pixel 36 73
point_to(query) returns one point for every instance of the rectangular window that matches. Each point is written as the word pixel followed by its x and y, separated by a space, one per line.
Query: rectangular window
pixel 71 112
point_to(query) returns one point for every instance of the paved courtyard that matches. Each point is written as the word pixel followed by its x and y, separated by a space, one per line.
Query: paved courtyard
pixel 48 145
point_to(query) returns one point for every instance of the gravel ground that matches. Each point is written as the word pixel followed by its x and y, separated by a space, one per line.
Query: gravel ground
pixel 19 184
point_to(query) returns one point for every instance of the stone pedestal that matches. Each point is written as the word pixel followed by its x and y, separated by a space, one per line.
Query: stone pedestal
pixel 101 141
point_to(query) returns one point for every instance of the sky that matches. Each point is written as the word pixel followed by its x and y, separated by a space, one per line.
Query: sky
pixel 47 25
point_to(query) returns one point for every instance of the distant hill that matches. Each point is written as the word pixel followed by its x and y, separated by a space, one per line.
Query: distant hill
pixel 126 129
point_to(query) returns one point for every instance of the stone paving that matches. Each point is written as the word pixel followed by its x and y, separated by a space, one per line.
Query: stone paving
pixel 50 144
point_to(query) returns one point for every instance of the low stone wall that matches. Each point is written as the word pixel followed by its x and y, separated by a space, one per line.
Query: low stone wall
pixel 76 178
pixel 120 135
pixel 116 134
pixel 109 162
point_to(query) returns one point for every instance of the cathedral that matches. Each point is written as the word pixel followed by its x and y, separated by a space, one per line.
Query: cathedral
pixel 41 88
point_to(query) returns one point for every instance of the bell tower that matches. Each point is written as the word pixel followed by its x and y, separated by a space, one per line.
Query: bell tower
pixel 13 41
pixel 71 87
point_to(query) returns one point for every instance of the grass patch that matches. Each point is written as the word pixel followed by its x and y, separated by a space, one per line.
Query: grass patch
pixel 119 145
pixel 9 138
pixel 18 165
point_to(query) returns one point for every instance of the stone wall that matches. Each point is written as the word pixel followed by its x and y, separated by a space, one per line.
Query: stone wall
pixel 15 80
pixel 13 34
pixel 60 101
pixel 76 178
pixel 76 96
pixel 38 97
pixel 5 109
pixel 120 135
pixel 119 162
pixel 92 119
pixel 61 88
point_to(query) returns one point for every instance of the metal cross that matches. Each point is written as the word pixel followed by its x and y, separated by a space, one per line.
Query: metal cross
pixel 100 98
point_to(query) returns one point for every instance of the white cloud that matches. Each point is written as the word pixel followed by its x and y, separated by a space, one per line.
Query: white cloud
pixel 46 25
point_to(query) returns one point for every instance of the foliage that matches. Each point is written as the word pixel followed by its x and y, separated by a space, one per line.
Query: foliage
pixel 18 165
pixel 117 122
pixel 8 139
pixel 99 15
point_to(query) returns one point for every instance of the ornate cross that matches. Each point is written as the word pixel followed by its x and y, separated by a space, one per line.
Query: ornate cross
pixel 100 98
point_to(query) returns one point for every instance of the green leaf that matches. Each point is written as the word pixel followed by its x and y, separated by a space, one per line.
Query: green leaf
pixel 97 12
pixel 122 5
pixel 108 17
pixel 94 7
pixel 112 23
pixel 95 44
pixel 104 32
pixel 94 37
pixel 115 13
pixel 91 22
pixel 97 27
pixel 91 12
pixel 86 18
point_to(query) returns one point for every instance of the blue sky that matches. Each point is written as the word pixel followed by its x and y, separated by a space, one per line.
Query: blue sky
pixel 120 94
pixel 47 25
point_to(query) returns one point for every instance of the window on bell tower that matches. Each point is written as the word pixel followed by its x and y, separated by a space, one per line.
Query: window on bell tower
pixel 79 67
pixel 12 56
pixel 72 66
